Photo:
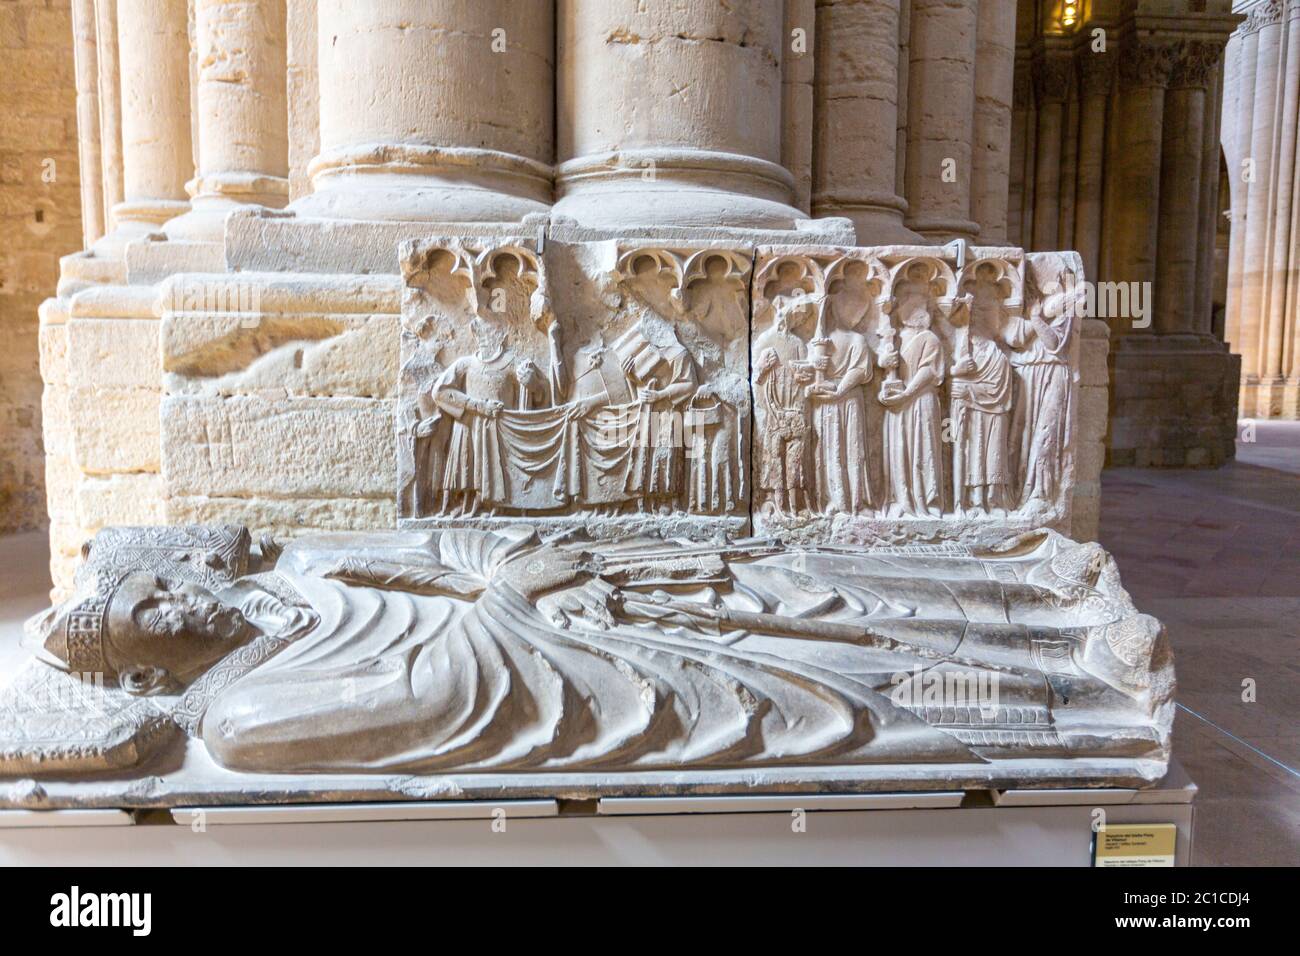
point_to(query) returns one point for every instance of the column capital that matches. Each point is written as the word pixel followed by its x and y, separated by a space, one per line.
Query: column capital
pixel 1145 64
pixel 1096 73
pixel 1052 69
pixel 1266 14
pixel 1193 64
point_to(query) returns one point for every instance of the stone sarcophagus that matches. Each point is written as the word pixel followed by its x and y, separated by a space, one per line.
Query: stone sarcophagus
pixel 671 517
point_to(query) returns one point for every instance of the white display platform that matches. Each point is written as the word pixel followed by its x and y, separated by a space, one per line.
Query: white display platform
pixel 976 828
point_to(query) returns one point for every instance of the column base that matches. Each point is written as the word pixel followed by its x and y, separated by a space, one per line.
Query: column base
pixel 1277 398
pixel 217 196
pixel 692 189
pixel 945 230
pixel 391 182
pixel 877 219
pixel 137 219
pixel 1173 402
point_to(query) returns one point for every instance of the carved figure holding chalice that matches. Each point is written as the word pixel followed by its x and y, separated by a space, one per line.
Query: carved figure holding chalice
pixel 913 440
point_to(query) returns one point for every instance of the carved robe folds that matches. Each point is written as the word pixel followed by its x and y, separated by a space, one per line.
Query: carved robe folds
pixel 489 660
pixel 981 405
pixel 913 439
pixel 840 427
pixel 1043 419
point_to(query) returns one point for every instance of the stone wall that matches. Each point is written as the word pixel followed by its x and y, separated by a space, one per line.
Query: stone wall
pixel 39 221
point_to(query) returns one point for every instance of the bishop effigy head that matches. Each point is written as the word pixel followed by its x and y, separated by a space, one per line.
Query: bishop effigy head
pixel 139 632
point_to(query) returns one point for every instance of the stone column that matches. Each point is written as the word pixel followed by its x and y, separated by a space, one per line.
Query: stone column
pixel 857 94
pixel 669 115
pixel 798 97
pixel 1259 212
pixel 1290 404
pixel 86 62
pixel 434 111
pixel 110 108
pixel 303 86
pixel 1236 145
pixel 1181 153
pixel 1096 75
pixel 995 63
pixel 1274 365
pixel 1133 222
pixel 1069 171
pixel 1052 70
pixel 1020 192
pixel 900 136
pixel 242 120
pixel 856 158
pixel 157 159
pixel 1173 402
pixel 940 118
pixel 1207 229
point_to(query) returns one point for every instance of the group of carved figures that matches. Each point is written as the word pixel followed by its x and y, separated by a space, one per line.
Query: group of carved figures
pixel 627 427
pixel 1008 385
pixel 951 397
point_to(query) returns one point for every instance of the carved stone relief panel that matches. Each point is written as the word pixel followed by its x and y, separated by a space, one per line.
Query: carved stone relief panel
pixel 902 394
pixel 598 385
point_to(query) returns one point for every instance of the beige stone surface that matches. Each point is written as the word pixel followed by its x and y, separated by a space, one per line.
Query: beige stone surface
pixel 244 446
pixel 114 429
pixel 283 517
pixel 122 499
pixel 281 355
pixel 114 353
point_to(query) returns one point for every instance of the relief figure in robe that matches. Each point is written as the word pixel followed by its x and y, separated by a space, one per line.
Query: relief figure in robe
pixel 913 442
pixel 473 392
pixel 1040 422
pixel 982 390
pixel 782 375
pixel 839 419
pixel 665 378
pixel 713 453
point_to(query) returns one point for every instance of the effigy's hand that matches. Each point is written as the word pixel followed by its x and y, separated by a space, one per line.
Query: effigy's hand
pixel 547 569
